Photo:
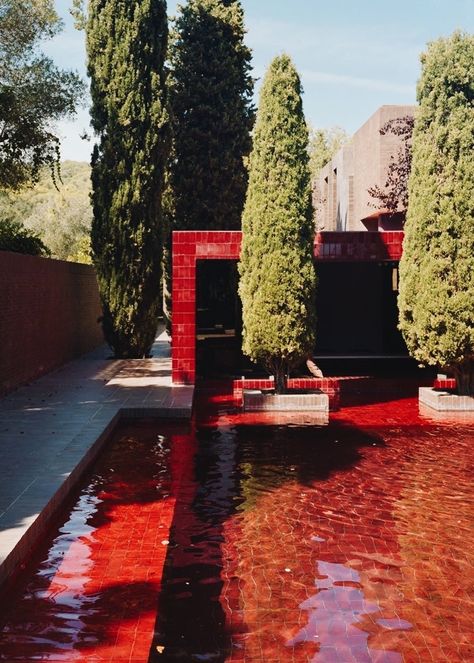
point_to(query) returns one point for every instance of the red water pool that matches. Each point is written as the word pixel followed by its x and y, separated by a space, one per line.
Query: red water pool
pixel 255 538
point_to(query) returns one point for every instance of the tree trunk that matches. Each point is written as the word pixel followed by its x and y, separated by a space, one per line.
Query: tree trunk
pixel 280 378
pixel 464 374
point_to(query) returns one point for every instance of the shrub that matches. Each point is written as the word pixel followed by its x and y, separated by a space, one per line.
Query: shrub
pixel 15 237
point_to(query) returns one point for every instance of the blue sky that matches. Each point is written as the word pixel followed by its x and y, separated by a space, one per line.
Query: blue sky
pixel 352 55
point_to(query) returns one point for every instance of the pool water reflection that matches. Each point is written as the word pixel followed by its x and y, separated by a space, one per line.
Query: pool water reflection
pixel 246 540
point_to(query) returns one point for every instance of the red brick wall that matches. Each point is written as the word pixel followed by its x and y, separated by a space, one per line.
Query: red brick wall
pixel 190 246
pixel 48 315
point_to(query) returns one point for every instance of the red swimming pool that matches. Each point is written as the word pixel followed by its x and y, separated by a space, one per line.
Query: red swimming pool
pixel 254 539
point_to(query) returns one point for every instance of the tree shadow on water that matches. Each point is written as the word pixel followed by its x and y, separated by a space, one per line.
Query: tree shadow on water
pixel 232 468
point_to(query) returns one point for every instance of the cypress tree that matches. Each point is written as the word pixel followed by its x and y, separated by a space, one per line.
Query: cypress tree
pixel 126 44
pixel 278 281
pixel 210 94
pixel 211 100
pixel 436 299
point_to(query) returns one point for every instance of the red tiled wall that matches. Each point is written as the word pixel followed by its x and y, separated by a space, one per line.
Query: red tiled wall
pixel 342 390
pixel 445 384
pixel 189 246
pixel 48 315
pixel 358 246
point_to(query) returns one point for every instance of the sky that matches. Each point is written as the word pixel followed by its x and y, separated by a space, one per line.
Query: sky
pixel 352 55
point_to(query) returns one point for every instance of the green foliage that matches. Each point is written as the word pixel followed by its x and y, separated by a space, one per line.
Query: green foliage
pixel 126 44
pixel 323 145
pixel 436 299
pixel 60 214
pixel 82 251
pixel 210 94
pixel 34 93
pixel 212 114
pixel 278 281
pixel 15 237
pixel 79 14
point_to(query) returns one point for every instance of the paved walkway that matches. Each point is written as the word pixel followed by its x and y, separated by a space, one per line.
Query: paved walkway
pixel 52 428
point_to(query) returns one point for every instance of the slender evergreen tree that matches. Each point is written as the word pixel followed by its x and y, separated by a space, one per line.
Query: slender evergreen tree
pixel 436 299
pixel 126 44
pixel 210 94
pixel 211 100
pixel 278 281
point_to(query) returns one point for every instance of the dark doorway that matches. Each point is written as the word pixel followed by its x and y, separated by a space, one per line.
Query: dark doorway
pixel 357 318
pixel 218 320
pixel 216 295
pixel 357 310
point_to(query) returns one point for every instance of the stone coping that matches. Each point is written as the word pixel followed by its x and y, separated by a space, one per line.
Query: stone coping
pixel 256 400
pixel 52 429
pixel 444 401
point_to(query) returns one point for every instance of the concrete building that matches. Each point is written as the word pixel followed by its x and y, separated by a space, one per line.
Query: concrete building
pixel 341 195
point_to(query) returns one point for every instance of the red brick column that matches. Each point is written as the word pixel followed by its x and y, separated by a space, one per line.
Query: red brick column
pixel 188 247
pixel 183 325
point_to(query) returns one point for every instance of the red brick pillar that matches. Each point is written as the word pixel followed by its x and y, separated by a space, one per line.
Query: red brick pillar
pixel 183 328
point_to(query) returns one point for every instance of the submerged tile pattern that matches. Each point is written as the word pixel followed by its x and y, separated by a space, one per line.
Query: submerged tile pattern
pixel 188 246
pixel 93 595
pixel 285 540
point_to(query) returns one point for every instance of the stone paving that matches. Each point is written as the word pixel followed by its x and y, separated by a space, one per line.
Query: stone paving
pixel 51 429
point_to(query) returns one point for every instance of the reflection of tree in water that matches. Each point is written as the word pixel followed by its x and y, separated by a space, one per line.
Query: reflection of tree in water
pixel 233 470
pixel 435 515
pixel 191 621
pixel 301 495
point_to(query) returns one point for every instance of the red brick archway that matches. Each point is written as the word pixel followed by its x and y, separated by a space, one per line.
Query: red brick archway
pixel 190 246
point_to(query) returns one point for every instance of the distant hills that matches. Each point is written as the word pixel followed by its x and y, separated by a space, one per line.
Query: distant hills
pixel 62 216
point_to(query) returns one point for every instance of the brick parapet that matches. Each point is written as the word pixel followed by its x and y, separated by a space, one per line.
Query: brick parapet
pixel 49 315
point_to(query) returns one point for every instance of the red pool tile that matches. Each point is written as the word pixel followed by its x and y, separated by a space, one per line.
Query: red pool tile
pixel 93 594
pixel 259 539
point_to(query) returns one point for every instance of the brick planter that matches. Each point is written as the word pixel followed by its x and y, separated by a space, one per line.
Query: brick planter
pixel 256 400
pixel 329 386
pixel 444 401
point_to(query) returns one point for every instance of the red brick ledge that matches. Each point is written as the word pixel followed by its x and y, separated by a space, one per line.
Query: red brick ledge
pixel 329 386
pixel 445 384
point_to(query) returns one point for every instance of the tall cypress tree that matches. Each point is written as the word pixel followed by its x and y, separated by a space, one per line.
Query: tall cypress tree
pixel 211 100
pixel 278 281
pixel 210 94
pixel 126 44
pixel 436 299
